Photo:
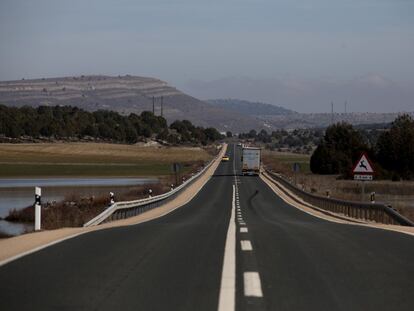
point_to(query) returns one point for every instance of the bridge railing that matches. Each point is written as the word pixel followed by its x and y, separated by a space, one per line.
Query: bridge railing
pixel 378 212
pixel 126 209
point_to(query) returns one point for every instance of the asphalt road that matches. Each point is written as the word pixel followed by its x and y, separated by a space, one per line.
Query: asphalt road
pixel 296 261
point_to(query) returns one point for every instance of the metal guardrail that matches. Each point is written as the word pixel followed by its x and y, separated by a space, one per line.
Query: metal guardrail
pixel 126 209
pixel 377 212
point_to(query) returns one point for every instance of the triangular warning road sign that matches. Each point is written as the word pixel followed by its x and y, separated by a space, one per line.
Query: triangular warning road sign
pixel 363 166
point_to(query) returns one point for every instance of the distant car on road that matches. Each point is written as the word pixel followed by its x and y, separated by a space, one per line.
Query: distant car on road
pixel 225 159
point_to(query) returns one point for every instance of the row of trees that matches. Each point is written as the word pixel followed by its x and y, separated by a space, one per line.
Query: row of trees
pixel 299 138
pixel 392 153
pixel 63 122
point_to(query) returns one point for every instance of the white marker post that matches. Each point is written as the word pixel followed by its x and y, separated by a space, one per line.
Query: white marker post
pixel 38 206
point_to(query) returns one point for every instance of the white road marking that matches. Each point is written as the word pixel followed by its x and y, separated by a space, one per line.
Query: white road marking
pixel 244 230
pixel 246 245
pixel 228 274
pixel 252 285
pixel 242 223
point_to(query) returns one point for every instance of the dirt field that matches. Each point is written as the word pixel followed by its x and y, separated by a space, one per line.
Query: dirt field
pixel 94 159
pixel 399 195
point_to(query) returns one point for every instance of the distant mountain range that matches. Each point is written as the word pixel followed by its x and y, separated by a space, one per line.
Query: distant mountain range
pixel 132 94
pixel 368 93
pixel 250 108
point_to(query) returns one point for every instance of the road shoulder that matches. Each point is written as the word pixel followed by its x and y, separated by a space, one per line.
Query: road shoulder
pixel 298 203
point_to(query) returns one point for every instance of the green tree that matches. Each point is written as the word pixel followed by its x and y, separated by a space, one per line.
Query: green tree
pixel 395 148
pixel 339 149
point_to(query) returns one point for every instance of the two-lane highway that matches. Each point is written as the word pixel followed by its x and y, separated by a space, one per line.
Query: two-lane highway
pixel 235 246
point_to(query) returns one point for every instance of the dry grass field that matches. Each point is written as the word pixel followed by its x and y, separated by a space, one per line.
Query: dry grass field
pixel 283 161
pixel 398 194
pixel 94 159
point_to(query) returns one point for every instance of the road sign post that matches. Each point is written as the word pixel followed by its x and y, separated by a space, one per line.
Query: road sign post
pixel 176 170
pixel 38 208
pixel 296 169
pixel 363 171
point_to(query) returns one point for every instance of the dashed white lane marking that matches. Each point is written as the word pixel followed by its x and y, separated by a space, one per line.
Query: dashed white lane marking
pixel 244 230
pixel 242 223
pixel 252 285
pixel 246 245
pixel 228 275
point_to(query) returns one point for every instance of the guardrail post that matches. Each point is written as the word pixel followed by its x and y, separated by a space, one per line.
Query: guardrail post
pixel 372 197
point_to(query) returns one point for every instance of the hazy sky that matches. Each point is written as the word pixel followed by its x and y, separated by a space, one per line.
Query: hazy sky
pixel 187 41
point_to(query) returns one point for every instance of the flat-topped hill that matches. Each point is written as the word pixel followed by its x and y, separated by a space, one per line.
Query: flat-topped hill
pixel 124 94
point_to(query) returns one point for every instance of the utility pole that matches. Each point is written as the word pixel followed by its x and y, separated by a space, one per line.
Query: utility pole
pixel 345 104
pixel 153 105
pixel 162 107
pixel 332 113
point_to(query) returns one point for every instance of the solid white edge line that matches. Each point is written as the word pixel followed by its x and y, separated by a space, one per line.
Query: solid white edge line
pixel 228 275
pixel 252 285
pixel 36 249
pixel 246 245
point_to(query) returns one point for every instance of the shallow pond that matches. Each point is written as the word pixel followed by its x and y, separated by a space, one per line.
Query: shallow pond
pixel 19 193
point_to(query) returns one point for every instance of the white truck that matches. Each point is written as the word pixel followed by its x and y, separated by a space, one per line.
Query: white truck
pixel 250 161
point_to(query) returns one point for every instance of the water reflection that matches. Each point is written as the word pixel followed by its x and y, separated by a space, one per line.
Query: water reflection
pixel 19 193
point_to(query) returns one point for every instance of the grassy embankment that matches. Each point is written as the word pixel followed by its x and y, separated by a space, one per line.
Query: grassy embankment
pixel 399 195
pixel 92 159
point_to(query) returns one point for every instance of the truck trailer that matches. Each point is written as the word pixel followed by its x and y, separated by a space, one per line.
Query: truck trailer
pixel 250 161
